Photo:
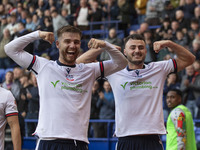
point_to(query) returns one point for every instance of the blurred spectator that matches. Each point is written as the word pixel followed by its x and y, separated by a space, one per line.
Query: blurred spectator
pixel 35 21
pixel 30 25
pixel 44 45
pixel 127 14
pixel 22 103
pixel 42 5
pixel 81 16
pixel 143 27
pixel 181 38
pixel 95 14
pixel 113 39
pixel 47 13
pixel 195 49
pixel 162 33
pixel 196 65
pixel 19 11
pixel 10 9
pixel 9 78
pixel 2 10
pixel 172 82
pixel 15 89
pixel 140 7
pixel 52 8
pixel 68 18
pixel 40 18
pixel 174 28
pixel 154 11
pixel 48 26
pixel 5 61
pixel 23 16
pixel 195 26
pixel 197 13
pixel 188 92
pixel 196 86
pixel 110 10
pixel 184 23
pixel 151 55
pixel 31 9
pixel 53 3
pixel 28 3
pixel 94 113
pixel 169 8
pixel 32 95
pixel 106 105
pixel 58 21
pixel 66 4
pixel 187 7
pixel 13 25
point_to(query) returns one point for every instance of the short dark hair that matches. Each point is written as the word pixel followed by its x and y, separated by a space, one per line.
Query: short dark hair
pixel 195 21
pixel 134 37
pixel 68 28
pixel 178 92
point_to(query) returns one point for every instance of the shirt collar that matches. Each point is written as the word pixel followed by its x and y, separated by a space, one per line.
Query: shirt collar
pixel 61 64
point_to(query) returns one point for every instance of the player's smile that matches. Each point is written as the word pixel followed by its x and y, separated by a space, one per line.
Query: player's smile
pixel 137 55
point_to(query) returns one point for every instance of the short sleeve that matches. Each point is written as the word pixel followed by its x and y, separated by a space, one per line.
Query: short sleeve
pixel 11 107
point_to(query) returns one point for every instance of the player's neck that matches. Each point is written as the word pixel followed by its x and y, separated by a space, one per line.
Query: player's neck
pixel 134 66
pixel 62 63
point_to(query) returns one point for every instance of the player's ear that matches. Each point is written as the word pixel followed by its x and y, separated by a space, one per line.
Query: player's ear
pixel 57 44
pixel 125 52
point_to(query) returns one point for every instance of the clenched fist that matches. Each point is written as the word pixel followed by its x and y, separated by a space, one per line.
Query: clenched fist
pixel 94 43
pixel 47 36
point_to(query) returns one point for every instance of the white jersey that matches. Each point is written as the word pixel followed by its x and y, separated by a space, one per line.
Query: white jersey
pixel 7 108
pixel 143 90
pixel 65 97
pixel 65 91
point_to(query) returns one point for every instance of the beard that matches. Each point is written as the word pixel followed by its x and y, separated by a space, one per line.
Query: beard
pixel 69 59
pixel 135 62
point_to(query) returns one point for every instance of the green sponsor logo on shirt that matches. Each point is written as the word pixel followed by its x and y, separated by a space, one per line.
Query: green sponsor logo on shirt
pixel 139 85
pixel 71 87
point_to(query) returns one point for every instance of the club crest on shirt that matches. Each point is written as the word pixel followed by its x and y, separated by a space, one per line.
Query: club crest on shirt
pixel 137 72
pixel 70 77
pixel 68 70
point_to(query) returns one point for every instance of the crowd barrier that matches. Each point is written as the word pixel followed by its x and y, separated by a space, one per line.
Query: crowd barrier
pixel 107 143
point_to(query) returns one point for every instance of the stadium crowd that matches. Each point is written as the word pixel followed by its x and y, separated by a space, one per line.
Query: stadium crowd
pixel 176 20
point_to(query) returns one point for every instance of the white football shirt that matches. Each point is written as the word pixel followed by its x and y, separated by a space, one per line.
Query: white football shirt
pixel 138 99
pixel 7 108
pixel 65 97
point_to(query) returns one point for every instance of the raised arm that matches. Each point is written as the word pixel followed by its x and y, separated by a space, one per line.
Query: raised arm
pixel 15 131
pixel 184 56
pixel 118 60
pixel 92 53
pixel 14 49
pixel 89 56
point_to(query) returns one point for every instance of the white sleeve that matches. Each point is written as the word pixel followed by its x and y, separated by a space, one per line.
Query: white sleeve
pixel 11 107
pixel 14 49
pixel 118 60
